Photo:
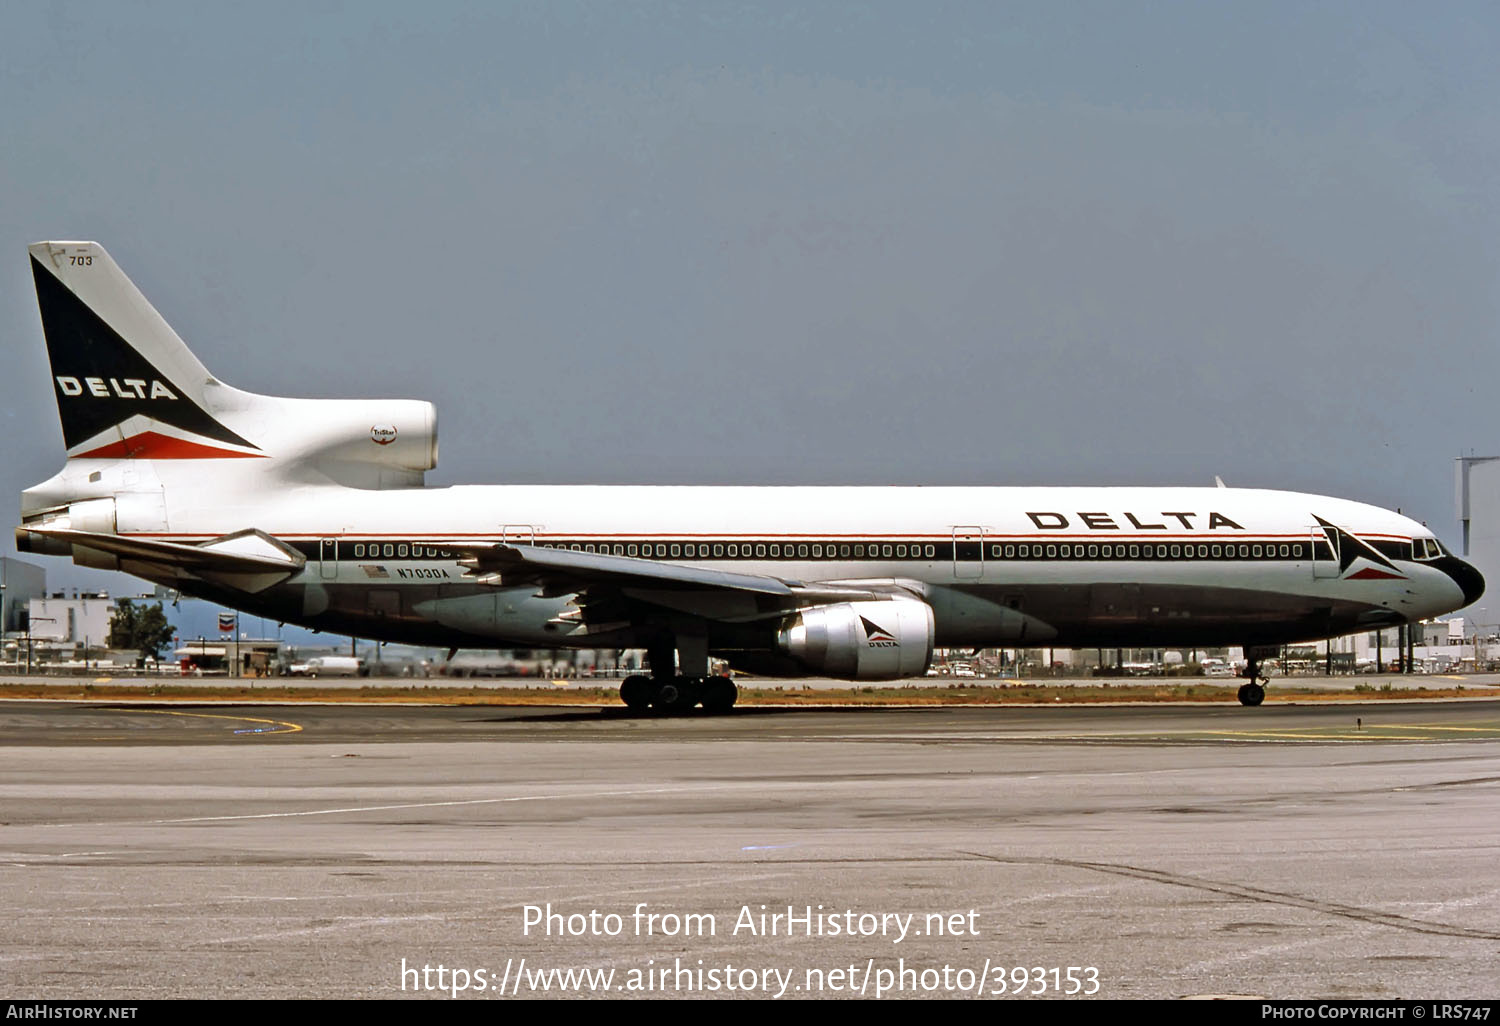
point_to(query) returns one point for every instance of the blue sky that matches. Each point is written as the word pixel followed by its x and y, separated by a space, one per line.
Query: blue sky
pixel 726 243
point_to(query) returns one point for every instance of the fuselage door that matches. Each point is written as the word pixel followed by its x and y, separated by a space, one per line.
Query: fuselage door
pixel 328 563
pixel 518 534
pixel 1325 551
pixel 968 553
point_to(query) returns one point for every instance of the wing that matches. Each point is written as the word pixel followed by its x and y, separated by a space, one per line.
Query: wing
pixel 613 589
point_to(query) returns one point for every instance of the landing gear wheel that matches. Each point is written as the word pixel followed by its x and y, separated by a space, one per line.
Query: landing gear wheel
pixel 637 692
pixel 719 694
pixel 677 695
pixel 1252 694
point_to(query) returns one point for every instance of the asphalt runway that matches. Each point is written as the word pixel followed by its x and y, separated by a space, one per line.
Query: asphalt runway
pixel 1345 851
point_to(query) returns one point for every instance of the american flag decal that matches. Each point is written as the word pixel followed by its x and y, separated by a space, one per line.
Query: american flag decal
pixel 371 570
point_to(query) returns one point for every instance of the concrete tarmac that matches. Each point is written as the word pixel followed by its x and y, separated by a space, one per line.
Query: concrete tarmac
pixel 1341 851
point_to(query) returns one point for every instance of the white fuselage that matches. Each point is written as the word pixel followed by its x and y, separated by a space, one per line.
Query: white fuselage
pixel 999 566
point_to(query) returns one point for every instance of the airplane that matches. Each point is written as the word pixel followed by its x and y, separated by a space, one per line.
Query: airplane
pixel 314 512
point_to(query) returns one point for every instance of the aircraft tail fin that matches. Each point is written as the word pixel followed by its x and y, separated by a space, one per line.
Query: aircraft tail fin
pixel 127 386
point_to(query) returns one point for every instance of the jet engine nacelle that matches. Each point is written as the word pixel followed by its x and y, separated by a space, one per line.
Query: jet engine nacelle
pixel 395 434
pixel 884 639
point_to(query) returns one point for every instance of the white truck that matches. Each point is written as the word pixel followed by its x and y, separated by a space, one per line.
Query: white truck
pixel 328 666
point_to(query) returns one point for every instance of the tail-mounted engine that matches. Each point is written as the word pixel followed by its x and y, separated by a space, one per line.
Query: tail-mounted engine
pixel 394 436
pixel 885 639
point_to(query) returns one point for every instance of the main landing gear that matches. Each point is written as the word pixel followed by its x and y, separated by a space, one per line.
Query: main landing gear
pixel 1253 691
pixel 679 677
pixel 678 694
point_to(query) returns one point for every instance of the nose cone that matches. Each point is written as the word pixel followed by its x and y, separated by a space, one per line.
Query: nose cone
pixel 1469 580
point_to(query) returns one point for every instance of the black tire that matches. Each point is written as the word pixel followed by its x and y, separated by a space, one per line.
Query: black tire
pixel 637 692
pixel 1252 694
pixel 677 695
pixel 719 694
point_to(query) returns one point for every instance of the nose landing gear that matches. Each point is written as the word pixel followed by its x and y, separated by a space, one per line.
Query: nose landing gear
pixel 1253 691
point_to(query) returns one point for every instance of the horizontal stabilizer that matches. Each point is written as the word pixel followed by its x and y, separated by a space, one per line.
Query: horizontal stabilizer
pixel 243 552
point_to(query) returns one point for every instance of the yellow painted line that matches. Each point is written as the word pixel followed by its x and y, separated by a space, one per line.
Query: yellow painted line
pixel 1424 726
pixel 1367 728
pixel 290 728
pixel 1353 735
pixel 1449 676
pixel 102 680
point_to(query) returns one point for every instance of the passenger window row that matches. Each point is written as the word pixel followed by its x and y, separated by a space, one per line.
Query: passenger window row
pixel 1158 550
pixel 966 551
pixel 755 550
pixel 395 550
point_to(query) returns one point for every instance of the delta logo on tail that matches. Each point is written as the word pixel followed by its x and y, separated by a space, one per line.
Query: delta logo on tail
pixel 877 636
pixel 112 402
pixel 1352 550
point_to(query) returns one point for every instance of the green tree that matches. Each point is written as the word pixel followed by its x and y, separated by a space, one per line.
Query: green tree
pixel 143 628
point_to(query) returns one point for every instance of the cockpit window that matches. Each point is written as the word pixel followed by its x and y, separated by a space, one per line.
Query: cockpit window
pixel 1425 548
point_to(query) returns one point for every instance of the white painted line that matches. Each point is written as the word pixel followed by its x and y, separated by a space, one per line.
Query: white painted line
pixel 674 789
